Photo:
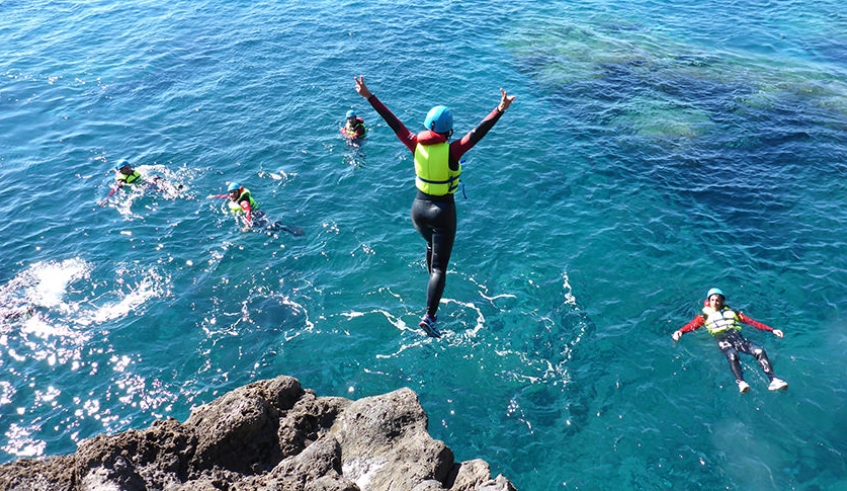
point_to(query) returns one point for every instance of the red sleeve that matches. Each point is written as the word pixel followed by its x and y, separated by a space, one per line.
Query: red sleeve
pixel 696 323
pixel 407 137
pixel 458 148
pixel 758 325
pixel 245 205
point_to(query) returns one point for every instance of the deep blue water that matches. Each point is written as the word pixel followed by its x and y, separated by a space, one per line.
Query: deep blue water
pixel 656 149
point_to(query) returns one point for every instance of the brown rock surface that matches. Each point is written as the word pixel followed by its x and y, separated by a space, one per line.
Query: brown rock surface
pixel 269 435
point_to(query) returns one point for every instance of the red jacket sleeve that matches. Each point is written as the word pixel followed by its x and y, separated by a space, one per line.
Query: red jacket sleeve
pixel 458 148
pixel 758 325
pixel 407 137
pixel 696 323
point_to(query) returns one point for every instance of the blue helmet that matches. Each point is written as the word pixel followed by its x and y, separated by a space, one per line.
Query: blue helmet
pixel 121 164
pixel 233 186
pixel 715 291
pixel 439 119
pixel 351 114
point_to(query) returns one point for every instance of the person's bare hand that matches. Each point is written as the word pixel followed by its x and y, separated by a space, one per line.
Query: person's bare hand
pixel 505 101
pixel 361 88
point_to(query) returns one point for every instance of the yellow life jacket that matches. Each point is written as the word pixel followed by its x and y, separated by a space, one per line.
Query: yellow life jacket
pixel 433 175
pixel 353 132
pixel 719 321
pixel 129 179
pixel 235 206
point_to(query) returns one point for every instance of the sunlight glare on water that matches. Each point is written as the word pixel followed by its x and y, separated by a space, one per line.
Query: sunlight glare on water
pixel 654 150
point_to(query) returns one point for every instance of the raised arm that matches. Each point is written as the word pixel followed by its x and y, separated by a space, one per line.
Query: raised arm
pixel 407 137
pixel 475 135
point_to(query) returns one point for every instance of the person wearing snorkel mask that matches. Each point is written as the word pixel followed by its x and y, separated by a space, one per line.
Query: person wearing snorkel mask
pixel 437 170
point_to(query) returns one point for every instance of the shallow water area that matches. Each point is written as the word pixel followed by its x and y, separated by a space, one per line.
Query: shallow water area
pixel 654 151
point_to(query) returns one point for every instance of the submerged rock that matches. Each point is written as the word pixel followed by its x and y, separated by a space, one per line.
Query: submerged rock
pixel 269 435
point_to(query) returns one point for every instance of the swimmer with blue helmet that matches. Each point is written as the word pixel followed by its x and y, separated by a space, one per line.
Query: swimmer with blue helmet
pixel 724 324
pixel 354 127
pixel 241 203
pixel 437 170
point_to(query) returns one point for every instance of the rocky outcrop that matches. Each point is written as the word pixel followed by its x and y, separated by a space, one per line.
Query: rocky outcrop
pixel 269 435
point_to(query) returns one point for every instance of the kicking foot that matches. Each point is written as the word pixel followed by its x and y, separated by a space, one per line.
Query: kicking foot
pixel 428 325
pixel 778 384
pixel 743 386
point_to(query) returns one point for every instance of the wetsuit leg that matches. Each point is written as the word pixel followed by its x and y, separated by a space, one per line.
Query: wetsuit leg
pixel 750 348
pixel 260 221
pixel 435 221
pixel 727 345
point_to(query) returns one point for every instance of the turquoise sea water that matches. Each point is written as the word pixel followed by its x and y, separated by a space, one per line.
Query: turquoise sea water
pixel 655 149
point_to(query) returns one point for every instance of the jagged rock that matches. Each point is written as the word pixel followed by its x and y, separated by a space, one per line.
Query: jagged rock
pixel 385 444
pixel 269 435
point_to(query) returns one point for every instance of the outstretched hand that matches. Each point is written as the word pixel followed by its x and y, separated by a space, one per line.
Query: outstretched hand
pixel 361 88
pixel 676 335
pixel 778 333
pixel 505 101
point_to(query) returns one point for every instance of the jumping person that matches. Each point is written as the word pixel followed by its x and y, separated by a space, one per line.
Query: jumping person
pixel 724 324
pixel 437 170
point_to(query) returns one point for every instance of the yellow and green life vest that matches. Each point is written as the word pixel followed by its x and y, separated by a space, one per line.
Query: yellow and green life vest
pixel 128 179
pixel 720 321
pixel 235 206
pixel 433 175
pixel 358 129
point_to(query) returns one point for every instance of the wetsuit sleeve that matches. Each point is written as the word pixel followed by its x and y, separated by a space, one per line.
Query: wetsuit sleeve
pixel 458 148
pixel 248 215
pixel 695 324
pixel 758 325
pixel 407 137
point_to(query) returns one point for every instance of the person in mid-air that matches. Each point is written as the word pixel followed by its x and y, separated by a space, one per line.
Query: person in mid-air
pixel 354 128
pixel 240 202
pixel 724 324
pixel 437 170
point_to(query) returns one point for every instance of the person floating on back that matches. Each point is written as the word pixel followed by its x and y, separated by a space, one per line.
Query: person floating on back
pixel 724 324
pixel 354 128
pixel 437 170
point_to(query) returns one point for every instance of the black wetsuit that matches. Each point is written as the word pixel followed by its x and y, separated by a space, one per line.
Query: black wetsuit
pixel 434 217
pixel 732 342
